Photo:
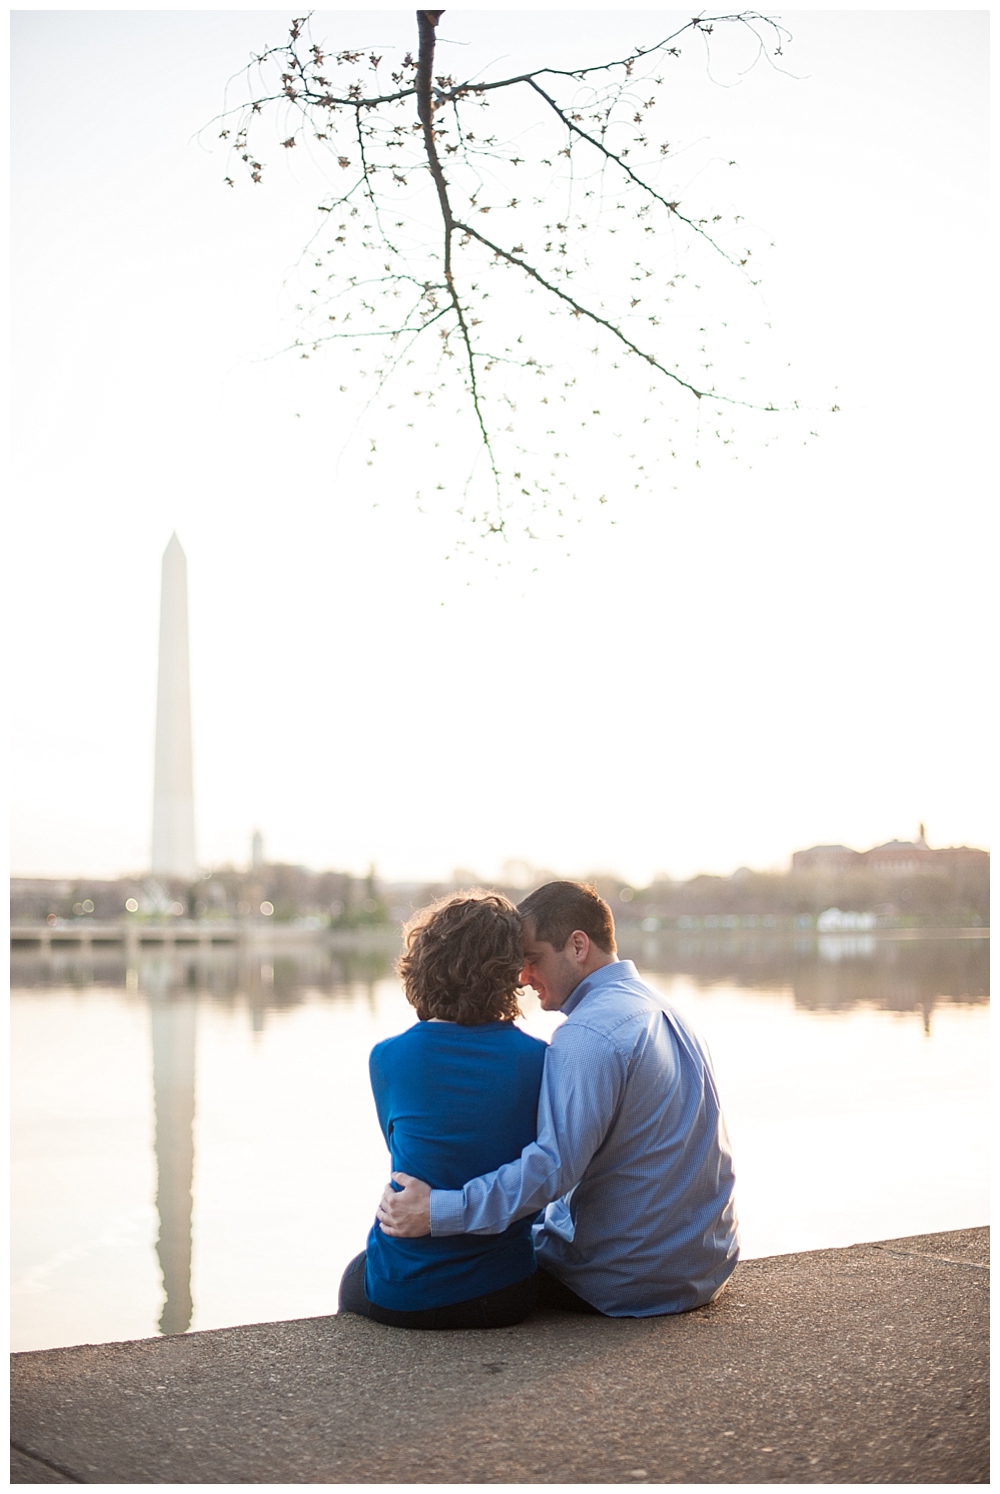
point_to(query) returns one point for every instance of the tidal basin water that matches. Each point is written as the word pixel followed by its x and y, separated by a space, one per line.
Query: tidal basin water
pixel 194 1143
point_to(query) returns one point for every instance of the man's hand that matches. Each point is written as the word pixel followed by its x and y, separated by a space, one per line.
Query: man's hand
pixel 407 1213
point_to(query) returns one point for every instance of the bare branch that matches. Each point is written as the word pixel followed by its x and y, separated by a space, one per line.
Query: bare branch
pixel 427 23
pixel 400 253
pixel 644 186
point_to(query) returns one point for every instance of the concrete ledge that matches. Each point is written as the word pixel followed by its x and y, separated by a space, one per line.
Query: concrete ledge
pixel 865 1365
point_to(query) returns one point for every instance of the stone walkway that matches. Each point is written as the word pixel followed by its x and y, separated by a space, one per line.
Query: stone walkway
pixel 864 1365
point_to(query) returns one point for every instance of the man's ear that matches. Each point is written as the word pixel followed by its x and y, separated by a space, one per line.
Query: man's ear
pixel 579 943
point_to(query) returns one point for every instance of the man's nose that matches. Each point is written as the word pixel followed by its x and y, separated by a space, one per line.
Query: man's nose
pixel 525 976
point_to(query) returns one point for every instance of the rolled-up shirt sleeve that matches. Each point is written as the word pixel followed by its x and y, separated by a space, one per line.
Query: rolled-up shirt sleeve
pixel 582 1086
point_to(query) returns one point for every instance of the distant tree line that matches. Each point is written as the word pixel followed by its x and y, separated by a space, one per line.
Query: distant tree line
pixel 329 899
pixel 956 896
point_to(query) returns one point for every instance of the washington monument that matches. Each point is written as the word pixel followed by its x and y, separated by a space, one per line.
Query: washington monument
pixel 173 781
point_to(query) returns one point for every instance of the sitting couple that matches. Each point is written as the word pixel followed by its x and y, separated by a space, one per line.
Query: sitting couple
pixel 601 1178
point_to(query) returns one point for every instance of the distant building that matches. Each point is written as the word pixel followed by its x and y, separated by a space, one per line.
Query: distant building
pixel 901 858
pixel 896 858
pixel 834 921
pixel 962 857
pixel 826 859
pixel 257 849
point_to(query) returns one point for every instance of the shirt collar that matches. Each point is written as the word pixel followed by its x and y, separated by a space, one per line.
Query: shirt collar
pixel 616 971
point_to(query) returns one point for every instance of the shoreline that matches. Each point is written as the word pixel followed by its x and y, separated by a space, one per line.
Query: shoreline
pixel 206 934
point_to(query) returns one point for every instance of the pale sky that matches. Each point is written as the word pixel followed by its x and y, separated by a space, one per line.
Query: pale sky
pixel 757 655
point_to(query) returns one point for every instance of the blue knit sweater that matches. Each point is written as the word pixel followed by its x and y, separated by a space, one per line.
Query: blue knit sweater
pixel 453 1102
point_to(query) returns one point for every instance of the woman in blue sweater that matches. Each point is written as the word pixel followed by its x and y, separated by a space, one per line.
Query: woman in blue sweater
pixel 456 1096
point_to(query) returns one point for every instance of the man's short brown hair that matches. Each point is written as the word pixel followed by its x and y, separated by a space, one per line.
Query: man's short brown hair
pixel 560 907
pixel 462 959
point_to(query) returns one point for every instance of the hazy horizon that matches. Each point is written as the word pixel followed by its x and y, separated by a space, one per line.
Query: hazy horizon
pixel 505 874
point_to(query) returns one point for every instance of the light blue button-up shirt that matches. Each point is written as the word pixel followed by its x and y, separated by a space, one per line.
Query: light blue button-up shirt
pixel 632 1158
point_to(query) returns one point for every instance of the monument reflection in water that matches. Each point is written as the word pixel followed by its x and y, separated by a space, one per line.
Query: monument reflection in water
pixel 268 1161
pixel 173 1025
pixel 173 1020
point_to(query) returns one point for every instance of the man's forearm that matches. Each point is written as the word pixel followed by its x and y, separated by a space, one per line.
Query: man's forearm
pixel 581 1086
pixel 487 1205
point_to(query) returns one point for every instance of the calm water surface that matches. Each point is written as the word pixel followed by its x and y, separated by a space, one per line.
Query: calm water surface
pixel 194 1143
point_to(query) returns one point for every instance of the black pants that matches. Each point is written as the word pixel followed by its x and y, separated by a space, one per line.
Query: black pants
pixel 500 1309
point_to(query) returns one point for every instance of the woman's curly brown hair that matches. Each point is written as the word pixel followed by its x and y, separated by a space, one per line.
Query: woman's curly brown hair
pixel 462 959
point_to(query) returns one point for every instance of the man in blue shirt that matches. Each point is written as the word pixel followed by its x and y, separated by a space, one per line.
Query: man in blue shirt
pixel 632 1164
